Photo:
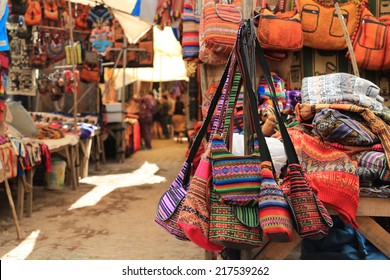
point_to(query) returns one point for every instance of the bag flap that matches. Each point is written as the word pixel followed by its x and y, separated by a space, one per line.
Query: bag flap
pixel 170 201
pixel 249 216
pixel 323 211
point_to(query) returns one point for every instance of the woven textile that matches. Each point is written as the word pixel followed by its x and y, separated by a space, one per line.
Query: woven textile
pixel 228 231
pixel 194 213
pixel 375 162
pixel 341 88
pixel 330 173
pixel 236 179
pixel 332 125
pixel 274 211
pixel 170 204
pixel 311 217
pixel 378 126
pixel 221 25
pixel 190 40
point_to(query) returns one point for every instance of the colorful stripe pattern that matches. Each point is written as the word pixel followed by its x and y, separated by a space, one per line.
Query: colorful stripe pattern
pixel 190 40
pixel 171 203
pixel 274 211
pixel 236 179
pixel 221 25
pixel 226 230
pixel 312 219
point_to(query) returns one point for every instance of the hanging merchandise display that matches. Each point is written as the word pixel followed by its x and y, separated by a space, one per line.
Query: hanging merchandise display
pixel 218 30
pixel 371 43
pixel 81 17
pixel 33 15
pixel 281 31
pixel 50 10
pixel 321 26
pixel 190 37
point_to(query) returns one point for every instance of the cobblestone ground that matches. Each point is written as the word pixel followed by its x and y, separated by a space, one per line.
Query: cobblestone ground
pixel 119 227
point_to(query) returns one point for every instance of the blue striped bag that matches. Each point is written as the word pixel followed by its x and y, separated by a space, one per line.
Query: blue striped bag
pixel 190 38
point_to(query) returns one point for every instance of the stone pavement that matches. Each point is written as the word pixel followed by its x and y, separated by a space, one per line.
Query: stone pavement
pixel 119 227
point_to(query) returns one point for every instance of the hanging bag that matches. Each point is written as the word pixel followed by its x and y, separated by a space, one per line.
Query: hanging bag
pixel 33 15
pixel 50 10
pixel 190 38
pixel 171 201
pixel 281 31
pixel 220 21
pixel 371 44
pixel 321 26
pixel 311 218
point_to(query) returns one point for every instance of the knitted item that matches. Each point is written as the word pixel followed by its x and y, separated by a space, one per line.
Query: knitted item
pixel 376 124
pixel 194 214
pixel 332 125
pixel 341 88
pixel 330 173
pixel 274 216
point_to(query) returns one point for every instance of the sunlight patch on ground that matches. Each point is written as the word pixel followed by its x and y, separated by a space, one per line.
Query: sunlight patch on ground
pixel 24 249
pixel 108 183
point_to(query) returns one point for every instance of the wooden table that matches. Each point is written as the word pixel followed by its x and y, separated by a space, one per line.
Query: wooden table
pixel 368 227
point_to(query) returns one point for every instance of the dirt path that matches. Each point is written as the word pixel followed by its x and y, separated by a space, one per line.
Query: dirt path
pixel 120 226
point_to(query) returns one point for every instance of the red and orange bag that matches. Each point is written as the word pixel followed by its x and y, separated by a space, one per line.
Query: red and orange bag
pixel 321 26
pixel 33 15
pixel 50 10
pixel 371 44
pixel 281 31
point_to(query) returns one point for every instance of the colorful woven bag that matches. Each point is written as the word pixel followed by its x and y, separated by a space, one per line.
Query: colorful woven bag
pixel 311 218
pixel 221 20
pixel 321 26
pixel 371 43
pixel 190 38
pixel 194 215
pixel 280 31
pixel 171 202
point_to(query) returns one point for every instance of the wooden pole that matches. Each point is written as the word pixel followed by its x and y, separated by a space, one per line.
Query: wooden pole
pixel 10 200
pixel 348 39
pixel 73 65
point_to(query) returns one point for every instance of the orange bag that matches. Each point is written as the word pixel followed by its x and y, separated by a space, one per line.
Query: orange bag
pixel 81 21
pixel 321 26
pixel 90 73
pixel 50 10
pixel 281 31
pixel 371 44
pixel 221 22
pixel 33 15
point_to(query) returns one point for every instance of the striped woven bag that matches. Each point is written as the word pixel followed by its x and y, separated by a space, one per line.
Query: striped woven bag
pixel 171 202
pixel 190 39
pixel 311 218
pixel 221 21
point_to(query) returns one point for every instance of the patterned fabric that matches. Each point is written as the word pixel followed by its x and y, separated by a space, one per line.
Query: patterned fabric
pixel 190 41
pixel 194 214
pixel 236 179
pixel 375 162
pixel 332 125
pixel 377 125
pixel 341 88
pixel 226 230
pixel 330 173
pixel 170 205
pixel 274 212
pixel 311 217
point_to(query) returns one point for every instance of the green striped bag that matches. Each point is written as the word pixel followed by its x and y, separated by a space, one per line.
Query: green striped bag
pixel 234 227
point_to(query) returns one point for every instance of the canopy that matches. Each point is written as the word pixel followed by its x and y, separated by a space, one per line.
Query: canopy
pixel 168 62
